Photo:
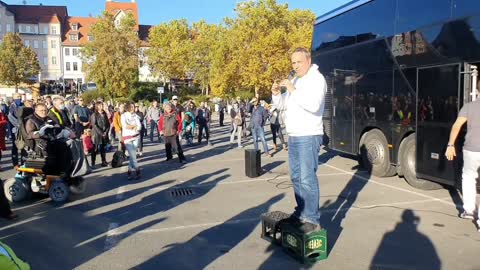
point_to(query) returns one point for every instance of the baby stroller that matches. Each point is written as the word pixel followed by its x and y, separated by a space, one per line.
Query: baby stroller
pixel 55 168
pixel 188 126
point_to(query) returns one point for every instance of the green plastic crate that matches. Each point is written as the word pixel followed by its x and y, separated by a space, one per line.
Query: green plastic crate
pixel 308 248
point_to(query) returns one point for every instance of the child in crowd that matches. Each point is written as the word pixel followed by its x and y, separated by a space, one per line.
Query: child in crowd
pixel 87 141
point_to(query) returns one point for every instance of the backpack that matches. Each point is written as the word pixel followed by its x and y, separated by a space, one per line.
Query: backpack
pixel 118 159
pixel 20 140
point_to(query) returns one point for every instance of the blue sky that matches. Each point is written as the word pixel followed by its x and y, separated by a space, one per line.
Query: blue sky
pixel 158 11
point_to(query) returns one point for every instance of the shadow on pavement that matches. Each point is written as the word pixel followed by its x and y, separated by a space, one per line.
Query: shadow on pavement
pixel 406 248
pixel 70 236
pixel 209 245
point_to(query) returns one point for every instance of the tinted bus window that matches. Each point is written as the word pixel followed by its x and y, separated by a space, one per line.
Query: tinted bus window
pixel 414 14
pixel 370 21
pixel 464 8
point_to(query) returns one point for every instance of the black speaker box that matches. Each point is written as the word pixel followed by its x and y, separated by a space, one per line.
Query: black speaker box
pixel 253 163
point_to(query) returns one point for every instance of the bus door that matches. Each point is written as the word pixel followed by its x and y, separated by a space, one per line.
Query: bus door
pixel 343 107
pixel 438 103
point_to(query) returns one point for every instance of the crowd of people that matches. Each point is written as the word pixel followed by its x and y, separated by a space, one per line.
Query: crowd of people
pixel 103 126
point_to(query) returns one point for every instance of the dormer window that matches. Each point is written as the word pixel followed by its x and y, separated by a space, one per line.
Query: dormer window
pixel 73 37
pixel 75 26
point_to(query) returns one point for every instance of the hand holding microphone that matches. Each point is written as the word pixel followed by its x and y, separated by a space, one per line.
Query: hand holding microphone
pixel 284 85
pixel 287 83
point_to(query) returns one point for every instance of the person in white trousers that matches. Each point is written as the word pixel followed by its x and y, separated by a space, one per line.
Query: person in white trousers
pixel 470 114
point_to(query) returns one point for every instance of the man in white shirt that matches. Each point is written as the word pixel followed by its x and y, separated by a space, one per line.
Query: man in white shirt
pixel 303 104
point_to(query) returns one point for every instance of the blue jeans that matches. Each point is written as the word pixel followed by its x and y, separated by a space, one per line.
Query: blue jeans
pixel 303 162
pixel 258 132
pixel 153 129
pixel 132 155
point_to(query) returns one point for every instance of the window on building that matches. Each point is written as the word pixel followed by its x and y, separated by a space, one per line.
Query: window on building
pixel 54 60
pixel 45 30
pixel 53 44
pixel 75 27
pixel 74 52
pixel 35 44
pixel 45 61
pixel 67 51
pixel 54 30
pixel 90 37
pixel 73 37
pixel 67 66
pixel 28 29
pixel 1 28
pixel 75 66
pixel 44 44
pixel 35 29
pixel 9 28
pixel 27 43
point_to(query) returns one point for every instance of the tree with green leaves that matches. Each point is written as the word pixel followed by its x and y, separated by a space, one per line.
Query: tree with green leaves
pixel 256 48
pixel 111 59
pixel 171 49
pixel 18 64
pixel 204 38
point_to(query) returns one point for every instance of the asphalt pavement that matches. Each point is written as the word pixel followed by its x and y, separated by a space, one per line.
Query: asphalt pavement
pixel 206 215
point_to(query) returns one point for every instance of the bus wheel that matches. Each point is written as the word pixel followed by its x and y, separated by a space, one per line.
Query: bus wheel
pixel 407 158
pixel 374 154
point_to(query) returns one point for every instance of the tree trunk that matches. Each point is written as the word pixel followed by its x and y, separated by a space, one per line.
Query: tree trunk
pixel 16 88
pixel 256 91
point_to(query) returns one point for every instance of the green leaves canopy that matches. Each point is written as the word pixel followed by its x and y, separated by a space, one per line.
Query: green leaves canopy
pixel 111 59
pixel 245 53
pixel 18 63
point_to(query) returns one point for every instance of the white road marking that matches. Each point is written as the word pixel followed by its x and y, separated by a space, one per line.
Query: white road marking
pixel 370 180
pixel 20 223
pixel 120 192
pixel 237 221
pixel 113 237
pixel 31 205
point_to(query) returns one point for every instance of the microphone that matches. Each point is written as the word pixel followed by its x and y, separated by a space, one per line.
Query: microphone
pixel 291 75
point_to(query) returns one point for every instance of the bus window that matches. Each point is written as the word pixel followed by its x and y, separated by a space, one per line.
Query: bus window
pixel 412 13
pixel 367 22
pixel 464 8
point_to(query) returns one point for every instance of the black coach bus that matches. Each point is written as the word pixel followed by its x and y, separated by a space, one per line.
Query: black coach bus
pixel 398 72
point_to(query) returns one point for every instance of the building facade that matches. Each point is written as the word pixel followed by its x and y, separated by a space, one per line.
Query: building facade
pixel 57 38
pixel 7 20
pixel 40 28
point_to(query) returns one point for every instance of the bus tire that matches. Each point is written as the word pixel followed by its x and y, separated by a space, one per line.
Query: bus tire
pixel 374 154
pixel 407 158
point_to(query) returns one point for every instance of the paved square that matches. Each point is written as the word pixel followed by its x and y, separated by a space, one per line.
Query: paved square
pixel 214 223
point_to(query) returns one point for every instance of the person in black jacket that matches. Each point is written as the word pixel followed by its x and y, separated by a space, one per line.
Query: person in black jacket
pixel 202 118
pixel 141 117
pixel 100 128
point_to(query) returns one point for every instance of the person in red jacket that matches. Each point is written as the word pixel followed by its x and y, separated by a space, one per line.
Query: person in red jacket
pixel 169 126
pixel 3 133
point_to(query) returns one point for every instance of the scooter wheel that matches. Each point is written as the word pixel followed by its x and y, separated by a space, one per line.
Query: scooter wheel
pixel 15 190
pixel 59 191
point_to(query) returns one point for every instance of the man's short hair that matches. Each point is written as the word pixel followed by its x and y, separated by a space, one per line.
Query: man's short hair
pixel 304 51
pixel 57 99
pixel 40 105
